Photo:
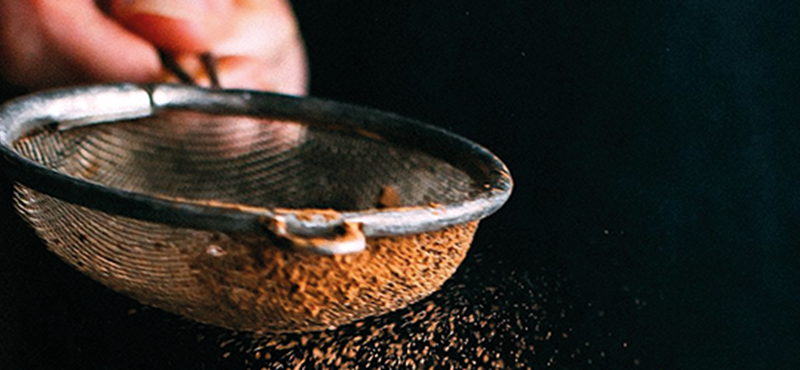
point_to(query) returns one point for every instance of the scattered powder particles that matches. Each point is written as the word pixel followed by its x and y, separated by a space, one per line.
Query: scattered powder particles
pixel 485 317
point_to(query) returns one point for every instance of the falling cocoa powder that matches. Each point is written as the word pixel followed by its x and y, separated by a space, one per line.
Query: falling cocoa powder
pixel 485 317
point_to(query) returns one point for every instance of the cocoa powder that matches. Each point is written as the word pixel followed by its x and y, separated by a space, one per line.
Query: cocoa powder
pixel 264 287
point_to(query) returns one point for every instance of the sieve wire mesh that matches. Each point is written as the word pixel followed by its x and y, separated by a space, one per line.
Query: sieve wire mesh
pixel 246 283
pixel 250 161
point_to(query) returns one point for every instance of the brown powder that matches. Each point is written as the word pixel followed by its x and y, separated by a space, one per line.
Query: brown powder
pixel 259 286
pixel 388 198
pixel 479 319
pixel 253 283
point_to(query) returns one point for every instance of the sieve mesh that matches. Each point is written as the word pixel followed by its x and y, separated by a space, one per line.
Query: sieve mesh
pixel 245 282
pixel 250 161
pixel 246 210
pixel 234 281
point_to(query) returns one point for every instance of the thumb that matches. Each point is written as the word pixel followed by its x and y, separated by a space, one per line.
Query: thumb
pixel 183 26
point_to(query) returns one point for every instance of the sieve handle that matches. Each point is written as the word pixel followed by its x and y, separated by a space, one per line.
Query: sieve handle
pixel 332 236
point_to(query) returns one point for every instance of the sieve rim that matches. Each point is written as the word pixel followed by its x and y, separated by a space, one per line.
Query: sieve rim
pixel 98 104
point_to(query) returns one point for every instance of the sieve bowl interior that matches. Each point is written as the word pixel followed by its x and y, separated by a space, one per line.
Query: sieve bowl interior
pixel 196 157
pixel 170 196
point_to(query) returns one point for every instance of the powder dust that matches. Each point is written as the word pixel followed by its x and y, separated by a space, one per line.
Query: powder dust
pixel 480 319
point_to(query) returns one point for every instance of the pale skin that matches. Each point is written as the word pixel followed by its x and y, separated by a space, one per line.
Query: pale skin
pixel 53 43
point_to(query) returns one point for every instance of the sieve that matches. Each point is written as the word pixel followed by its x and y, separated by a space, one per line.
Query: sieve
pixel 243 209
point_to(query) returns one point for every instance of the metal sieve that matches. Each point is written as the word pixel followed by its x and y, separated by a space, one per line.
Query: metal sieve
pixel 243 209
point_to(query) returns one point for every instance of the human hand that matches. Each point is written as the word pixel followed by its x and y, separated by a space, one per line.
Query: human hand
pixel 45 43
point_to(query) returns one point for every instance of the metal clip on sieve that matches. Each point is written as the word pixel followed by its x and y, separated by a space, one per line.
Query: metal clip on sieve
pixel 321 234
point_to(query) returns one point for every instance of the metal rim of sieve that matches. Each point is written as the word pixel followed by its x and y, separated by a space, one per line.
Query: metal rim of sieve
pixel 98 104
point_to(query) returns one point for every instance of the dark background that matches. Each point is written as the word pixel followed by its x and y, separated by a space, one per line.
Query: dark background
pixel 653 145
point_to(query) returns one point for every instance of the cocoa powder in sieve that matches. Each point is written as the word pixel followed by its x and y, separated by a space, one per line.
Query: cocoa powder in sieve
pixel 262 285
pixel 388 198
pixel 255 283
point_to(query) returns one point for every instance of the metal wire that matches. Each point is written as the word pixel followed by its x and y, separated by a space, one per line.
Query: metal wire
pixel 206 59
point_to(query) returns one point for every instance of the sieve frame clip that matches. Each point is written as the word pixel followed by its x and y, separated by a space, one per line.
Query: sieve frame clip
pixel 319 231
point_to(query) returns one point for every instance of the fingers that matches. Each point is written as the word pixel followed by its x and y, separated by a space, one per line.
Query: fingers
pixel 46 43
pixel 188 26
pixel 53 43
pixel 268 47
pixel 286 74
pixel 258 41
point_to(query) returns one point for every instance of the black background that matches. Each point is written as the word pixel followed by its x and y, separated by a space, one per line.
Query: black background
pixel 653 145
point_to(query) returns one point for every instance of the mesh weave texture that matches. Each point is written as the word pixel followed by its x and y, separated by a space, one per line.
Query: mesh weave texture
pixel 246 282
